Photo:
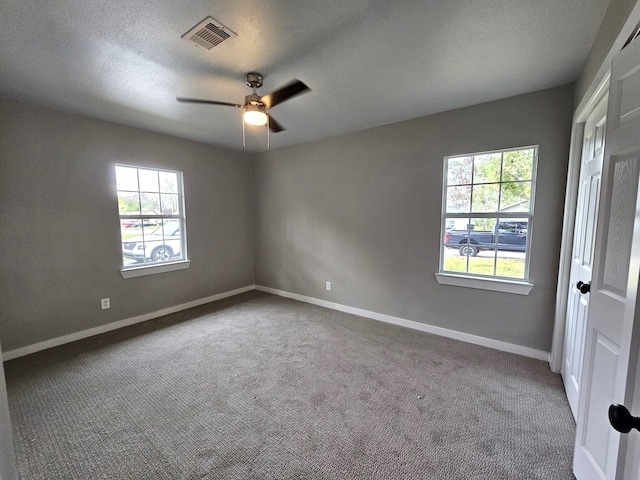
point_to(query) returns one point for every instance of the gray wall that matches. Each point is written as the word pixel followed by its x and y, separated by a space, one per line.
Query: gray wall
pixel 363 211
pixel 614 19
pixel 60 228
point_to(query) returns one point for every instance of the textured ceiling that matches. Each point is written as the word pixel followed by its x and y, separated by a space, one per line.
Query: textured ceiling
pixel 368 62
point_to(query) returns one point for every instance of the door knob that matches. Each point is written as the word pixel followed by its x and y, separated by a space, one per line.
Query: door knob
pixel 583 287
pixel 621 419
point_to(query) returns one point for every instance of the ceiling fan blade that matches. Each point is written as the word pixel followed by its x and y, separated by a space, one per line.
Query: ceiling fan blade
pixel 296 87
pixel 274 126
pixel 209 102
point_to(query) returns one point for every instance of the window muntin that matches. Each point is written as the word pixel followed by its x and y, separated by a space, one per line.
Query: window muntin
pixel 151 208
pixel 487 213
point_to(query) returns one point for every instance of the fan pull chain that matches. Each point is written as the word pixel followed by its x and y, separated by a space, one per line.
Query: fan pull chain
pixel 244 146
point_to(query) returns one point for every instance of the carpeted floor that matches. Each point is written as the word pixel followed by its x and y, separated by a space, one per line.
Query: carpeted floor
pixel 261 387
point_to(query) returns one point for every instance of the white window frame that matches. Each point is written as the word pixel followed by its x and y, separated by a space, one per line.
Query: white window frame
pixel 479 281
pixel 138 270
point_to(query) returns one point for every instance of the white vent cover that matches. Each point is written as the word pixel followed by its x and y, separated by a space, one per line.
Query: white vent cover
pixel 208 33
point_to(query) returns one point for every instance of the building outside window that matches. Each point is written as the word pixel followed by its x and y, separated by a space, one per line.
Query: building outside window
pixel 152 220
pixel 487 213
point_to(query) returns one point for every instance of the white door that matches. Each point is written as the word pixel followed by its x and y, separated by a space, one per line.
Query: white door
pixel 614 288
pixel 632 445
pixel 583 247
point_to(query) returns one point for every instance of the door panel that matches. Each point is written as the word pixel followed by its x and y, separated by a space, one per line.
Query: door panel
pixel 630 96
pixel 597 438
pixel 583 248
pixel 574 366
pixel 610 333
pixel 590 221
pixel 620 231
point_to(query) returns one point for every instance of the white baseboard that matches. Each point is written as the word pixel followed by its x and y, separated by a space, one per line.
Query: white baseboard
pixel 443 332
pixel 90 332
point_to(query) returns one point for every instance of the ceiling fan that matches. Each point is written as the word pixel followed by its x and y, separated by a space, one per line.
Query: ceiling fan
pixel 256 108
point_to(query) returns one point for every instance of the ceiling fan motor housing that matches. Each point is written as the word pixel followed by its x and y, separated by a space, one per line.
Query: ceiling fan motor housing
pixel 253 99
pixel 254 80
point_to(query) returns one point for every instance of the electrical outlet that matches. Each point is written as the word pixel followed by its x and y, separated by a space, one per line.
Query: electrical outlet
pixel 106 303
pixel 327 285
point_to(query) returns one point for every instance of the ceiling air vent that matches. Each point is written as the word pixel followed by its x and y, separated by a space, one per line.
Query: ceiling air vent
pixel 208 33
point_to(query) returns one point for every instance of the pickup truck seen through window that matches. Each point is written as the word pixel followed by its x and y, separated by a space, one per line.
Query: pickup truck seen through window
pixel 505 235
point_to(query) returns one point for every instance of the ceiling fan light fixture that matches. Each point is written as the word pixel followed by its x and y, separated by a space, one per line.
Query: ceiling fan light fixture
pixel 255 110
pixel 255 115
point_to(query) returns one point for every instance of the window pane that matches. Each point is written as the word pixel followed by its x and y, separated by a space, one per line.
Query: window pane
pixel 460 224
pixel 456 237
pixel 459 171
pixel 484 263
pixel 171 246
pixel 127 178
pixel 478 236
pixel 485 198
pixel 482 225
pixel 508 226
pixel 148 180
pixel 458 199
pixel 453 262
pixel 168 182
pixel 517 165
pixel 512 235
pixel 171 228
pixel 486 168
pixel 146 247
pixel 512 243
pixel 510 264
pixel 132 246
pixel 169 204
pixel 515 197
pixel 130 223
pixel 156 248
pixel 150 203
pixel 128 203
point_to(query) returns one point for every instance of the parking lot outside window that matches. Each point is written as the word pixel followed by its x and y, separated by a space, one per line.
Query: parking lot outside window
pixel 487 214
pixel 152 220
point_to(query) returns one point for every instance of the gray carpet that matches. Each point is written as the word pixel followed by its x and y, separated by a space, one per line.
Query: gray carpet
pixel 261 387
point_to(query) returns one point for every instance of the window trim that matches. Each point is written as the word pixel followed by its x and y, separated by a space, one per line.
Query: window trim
pixel 484 283
pixel 138 270
pixel 479 281
pixel 142 270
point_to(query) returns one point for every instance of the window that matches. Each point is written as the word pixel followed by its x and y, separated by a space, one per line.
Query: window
pixel 152 223
pixel 487 214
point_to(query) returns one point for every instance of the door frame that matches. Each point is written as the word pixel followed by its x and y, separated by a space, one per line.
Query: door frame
pixel 599 85
pixel 7 455
pixel 569 220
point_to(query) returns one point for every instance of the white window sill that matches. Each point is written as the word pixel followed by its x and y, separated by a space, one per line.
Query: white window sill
pixel 153 269
pixel 496 285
